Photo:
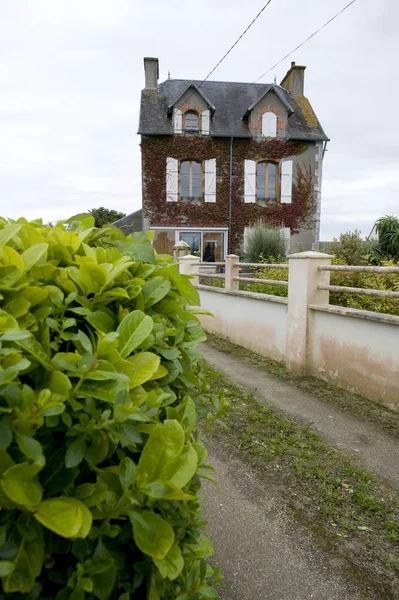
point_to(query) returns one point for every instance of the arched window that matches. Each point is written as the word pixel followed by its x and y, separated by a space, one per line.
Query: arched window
pixel 269 124
pixel 190 187
pixel 266 181
pixel 191 121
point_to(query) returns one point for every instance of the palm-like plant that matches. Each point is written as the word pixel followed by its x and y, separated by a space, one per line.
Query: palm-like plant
pixel 388 239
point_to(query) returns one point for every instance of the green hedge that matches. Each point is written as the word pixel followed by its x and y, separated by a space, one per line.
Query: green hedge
pixel 100 459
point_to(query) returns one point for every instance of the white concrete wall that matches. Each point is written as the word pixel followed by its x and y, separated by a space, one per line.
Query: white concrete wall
pixel 353 349
pixel 254 321
pixel 356 350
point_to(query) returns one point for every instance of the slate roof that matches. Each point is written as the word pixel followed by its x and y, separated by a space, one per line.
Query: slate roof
pixel 131 223
pixel 231 101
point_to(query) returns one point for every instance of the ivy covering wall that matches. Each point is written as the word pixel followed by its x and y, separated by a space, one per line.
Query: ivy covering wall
pixel 156 149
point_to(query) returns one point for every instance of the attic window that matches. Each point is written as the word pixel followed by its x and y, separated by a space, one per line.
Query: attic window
pixel 269 124
pixel 191 121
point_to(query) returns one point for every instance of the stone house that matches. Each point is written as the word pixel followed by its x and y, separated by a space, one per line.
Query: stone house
pixel 217 156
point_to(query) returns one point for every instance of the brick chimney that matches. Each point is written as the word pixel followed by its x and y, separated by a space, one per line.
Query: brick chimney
pixel 151 71
pixel 294 80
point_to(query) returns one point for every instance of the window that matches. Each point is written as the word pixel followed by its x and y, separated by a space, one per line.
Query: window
pixel 191 121
pixel 269 124
pixel 266 181
pixel 208 245
pixel 164 241
pixel 212 246
pixel 263 180
pixel 190 187
pixel 193 239
pixel 190 180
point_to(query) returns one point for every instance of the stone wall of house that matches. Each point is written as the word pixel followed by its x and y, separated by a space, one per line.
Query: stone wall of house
pixel 300 216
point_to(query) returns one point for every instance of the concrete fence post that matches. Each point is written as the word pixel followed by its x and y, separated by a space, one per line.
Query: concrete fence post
pixel 188 265
pixel 303 279
pixel 232 270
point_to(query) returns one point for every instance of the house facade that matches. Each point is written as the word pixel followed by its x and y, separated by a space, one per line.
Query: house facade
pixel 217 156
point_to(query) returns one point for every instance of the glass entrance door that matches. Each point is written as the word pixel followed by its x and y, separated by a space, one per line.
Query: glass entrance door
pixel 193 239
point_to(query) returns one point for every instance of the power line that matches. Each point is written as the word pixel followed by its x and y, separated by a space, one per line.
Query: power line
pixel 236 42
pixel 304 42
pixel 225 55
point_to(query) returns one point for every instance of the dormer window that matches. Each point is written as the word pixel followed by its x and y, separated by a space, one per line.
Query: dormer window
pixel 191 122
pixel 269 124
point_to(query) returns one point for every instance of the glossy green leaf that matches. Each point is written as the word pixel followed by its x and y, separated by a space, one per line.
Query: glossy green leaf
pixel 172 565
pixel 21 486
pixel 164 457
pixel 75 453
pixel 33 255
pixel 5 436
pixel 101 390
pixel 185 467
pixel 127 472
pixel 65 516
pixel 29 446
pixel 27 563
pixel 32 346
pixel 152 534
pixel 143 366
pixel 6 567
pixel 93 277
pixel 133 330
pixel 154 290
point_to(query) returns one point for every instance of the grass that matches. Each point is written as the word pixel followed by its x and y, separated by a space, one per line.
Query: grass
pixel 351 513
pixel 347 401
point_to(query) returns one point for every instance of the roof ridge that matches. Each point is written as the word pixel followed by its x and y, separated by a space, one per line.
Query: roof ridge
pixel 200 81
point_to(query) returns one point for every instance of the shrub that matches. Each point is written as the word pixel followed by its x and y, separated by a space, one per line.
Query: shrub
pixel 100 458
pixel 272 274
pixel 350 248
pixel 376 281
pixel 263 240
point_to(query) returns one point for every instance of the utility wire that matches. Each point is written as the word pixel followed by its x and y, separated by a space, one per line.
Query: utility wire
pixel 304 42
pixel 236 42
pixel 277 63
pixel 224 56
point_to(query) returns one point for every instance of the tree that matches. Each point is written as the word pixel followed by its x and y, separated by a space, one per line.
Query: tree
pixel 105 216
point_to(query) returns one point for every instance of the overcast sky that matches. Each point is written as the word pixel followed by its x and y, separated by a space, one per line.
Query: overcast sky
pixel 71 72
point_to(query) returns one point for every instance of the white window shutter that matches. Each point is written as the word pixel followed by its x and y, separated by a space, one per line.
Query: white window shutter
pixel 286 181
pixel 210 180
pixel 177 121
pixel 205 122
pixel 172 179
pixel 269 124
pixel 250 181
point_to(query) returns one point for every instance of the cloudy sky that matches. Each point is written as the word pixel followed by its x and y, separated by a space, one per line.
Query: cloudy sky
pixel 71 72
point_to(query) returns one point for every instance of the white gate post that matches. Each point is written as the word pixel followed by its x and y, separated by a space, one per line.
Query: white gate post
pixel 303 279
pixel 188 265
pixel 232 271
